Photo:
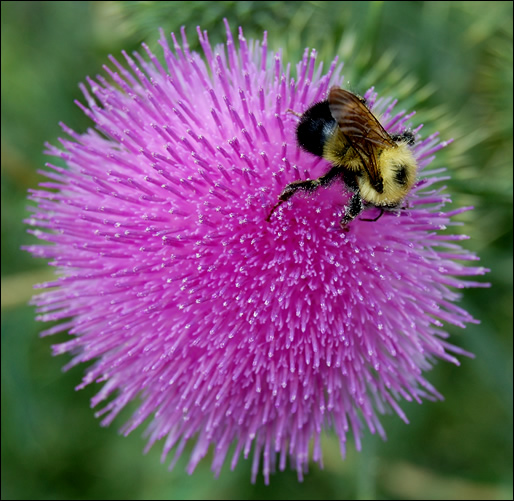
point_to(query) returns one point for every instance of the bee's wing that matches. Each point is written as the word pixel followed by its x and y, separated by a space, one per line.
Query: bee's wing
pixel 361 129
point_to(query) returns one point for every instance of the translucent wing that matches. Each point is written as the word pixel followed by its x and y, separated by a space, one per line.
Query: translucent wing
pixel 361 129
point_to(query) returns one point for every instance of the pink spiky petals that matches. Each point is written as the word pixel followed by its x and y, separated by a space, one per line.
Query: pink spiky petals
pixel 229 329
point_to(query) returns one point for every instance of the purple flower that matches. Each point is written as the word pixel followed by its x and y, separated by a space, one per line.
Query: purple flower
pixel 229 329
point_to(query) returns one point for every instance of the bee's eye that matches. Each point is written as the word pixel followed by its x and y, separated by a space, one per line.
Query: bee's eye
pixel 400 175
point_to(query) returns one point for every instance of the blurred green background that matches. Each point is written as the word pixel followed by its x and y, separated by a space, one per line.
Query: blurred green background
pixel 452 62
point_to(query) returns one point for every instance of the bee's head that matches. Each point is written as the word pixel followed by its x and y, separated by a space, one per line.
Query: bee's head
pixel 398 168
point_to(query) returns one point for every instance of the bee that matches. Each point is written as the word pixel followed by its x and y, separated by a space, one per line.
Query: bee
pixel 379 169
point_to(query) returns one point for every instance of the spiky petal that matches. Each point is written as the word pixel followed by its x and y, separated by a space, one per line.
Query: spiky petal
pixel 232 330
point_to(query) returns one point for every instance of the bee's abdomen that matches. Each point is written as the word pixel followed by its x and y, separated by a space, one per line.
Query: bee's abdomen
pixel 316 127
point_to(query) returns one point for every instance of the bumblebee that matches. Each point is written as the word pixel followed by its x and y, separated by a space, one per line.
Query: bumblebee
pixel 379 169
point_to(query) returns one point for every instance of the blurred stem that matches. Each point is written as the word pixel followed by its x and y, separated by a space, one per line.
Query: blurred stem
pixel 371 29
pixel 367 468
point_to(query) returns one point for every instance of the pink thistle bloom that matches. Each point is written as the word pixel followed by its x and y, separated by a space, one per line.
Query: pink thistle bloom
pixel 230 329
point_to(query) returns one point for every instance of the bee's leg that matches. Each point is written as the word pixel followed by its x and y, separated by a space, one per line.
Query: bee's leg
pixel 376 218
pixel 290 190
pixel 289 110
pixel 405 137
pixel 352 210
pixel 309 185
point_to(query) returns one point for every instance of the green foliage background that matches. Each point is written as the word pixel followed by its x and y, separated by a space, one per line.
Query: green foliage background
pixel 452 62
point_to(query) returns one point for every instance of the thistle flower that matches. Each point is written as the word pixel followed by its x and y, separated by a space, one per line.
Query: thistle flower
pixel 231 330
